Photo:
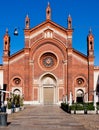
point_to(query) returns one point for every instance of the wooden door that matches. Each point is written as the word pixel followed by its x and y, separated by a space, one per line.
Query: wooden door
pixel 48 95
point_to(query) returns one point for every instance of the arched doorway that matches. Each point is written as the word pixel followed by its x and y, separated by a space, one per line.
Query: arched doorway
pixel 17 92
pixel 48 90
pixel 79 96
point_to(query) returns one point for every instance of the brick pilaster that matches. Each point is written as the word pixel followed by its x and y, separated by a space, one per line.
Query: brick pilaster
pixel 69 71
pixel 90 79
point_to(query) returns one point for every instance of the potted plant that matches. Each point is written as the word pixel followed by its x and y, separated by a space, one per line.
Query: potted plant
pixel 9 104
pixel 21 103
pixel 17 102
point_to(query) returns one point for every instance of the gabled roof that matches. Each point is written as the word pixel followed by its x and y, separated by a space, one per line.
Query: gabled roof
pixel 17 53
pixel 49 24
pixel 80 57
pixel 79 53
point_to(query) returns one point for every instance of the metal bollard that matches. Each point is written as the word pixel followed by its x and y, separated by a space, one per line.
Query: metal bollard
pixel 3 119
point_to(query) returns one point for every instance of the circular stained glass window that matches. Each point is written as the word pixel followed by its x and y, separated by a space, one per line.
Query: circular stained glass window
pixel 17 81
pixel 48 61
pixel 80 81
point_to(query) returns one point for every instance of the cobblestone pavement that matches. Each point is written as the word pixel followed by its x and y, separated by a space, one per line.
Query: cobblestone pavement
pixel 42 118
pixel 90 121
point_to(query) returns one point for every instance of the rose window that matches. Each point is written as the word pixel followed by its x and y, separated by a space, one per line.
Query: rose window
pixel 48 60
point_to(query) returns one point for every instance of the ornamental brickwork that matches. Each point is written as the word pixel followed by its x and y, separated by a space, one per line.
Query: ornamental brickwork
pixel 49 69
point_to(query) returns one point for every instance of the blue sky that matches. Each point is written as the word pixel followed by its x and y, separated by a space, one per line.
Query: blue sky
pixel 84 13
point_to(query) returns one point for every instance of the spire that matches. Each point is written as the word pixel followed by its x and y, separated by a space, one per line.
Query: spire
pixel 6 30
pixel 6 44
pixel 6 33
pixel 69 22
pixel 90 31
pixel 48 3
pixel 48 12
pixel 90 43
pixel 27 22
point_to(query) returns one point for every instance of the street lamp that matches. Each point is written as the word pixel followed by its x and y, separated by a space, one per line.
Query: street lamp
pixel 15 32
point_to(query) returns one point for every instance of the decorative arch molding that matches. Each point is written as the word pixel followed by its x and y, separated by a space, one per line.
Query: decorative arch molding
pixel 80 76
pixel 48 88
pixel 48 74
pixel 17 90
pixel 48 60
pixel 17 81
pixel 80 86
pixel 61 46
pixel 79 95
pixel 80 92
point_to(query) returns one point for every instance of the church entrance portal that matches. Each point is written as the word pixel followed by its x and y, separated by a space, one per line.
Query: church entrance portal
pixel 48 90
pixel 48 95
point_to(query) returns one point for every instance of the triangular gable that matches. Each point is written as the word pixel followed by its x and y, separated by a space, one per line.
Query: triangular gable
pixel 80 57
pixel 48 29
pixel 16 56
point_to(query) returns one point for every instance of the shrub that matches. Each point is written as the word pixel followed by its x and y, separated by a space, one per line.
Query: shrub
pixel 21 101
pixel 9 103
pixel 65 107
pixel 17 100
pixel 89 106
pixel 77 106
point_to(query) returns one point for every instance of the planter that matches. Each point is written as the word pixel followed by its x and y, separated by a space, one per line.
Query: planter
pixel 17 109
pixel 92 112
pixel 8 111
pixel 85 111
pixel 77 112
pixel 22 108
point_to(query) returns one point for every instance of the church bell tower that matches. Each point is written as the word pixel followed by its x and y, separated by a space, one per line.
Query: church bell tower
pixel 90 44
pixel 90 55
pixel 6 44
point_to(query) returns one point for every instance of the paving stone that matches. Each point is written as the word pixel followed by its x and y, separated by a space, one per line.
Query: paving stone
pixel 43 118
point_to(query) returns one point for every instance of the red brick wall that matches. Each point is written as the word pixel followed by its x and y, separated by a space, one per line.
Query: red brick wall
pixel 67 68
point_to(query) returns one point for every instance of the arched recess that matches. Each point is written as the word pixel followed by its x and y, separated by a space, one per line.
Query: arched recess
pixel 60 45
pixel 16 84
pixel 79 96
pixel 80 83
pixel 17 92
pixel 48 89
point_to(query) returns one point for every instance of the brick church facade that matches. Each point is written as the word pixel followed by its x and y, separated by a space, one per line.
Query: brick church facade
pixel 49 70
